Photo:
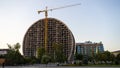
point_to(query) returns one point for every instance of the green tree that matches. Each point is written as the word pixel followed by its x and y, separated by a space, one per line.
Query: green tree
pixel 78 56
pixel 98 57
pixel 13 56
pixel 109 56
pixel 27 60
pixel 14 47
pixel 45 59
pixel 58 53
pixel 117 59
pixel 105 56
pixel 17 47
pixel 90 58
pixel 112 58
pixel 40 53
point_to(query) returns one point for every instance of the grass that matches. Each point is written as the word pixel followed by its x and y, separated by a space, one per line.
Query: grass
pixel 93 65
pixel 104 65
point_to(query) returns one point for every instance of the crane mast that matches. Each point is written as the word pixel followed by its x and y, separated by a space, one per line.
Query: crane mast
pixel 46 30
pixel 46 21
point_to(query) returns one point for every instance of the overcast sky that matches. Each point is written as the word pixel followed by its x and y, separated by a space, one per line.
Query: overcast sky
pixel 93 20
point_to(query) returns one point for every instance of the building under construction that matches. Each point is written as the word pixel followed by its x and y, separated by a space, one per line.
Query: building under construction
pixel 57 32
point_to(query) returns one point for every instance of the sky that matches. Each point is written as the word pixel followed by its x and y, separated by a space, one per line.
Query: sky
pixel 93 20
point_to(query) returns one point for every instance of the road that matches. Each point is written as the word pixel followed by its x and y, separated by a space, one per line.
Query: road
pixel 52 66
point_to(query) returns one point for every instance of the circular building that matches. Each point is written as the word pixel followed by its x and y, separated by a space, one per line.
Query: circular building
pixel 57 32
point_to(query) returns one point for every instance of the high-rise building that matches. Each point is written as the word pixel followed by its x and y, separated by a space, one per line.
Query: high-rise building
pixel 88 48
pixel 57 32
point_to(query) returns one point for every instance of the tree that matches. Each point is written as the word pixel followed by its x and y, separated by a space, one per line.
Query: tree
pixel 27 60
pixel 91 58
pixel 98 57
pixel 58 53
pixel 105 56
pixel 112 58
pixel 117 59
pixel 109 56
pixel 78 56
pixel 45 59
pixel 15 47
pixel 13 56
pixel 40 53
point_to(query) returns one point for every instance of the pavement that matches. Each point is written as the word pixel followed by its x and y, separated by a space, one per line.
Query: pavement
pixel 51 66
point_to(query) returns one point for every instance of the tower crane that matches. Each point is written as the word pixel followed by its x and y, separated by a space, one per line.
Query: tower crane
pixel 46 20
